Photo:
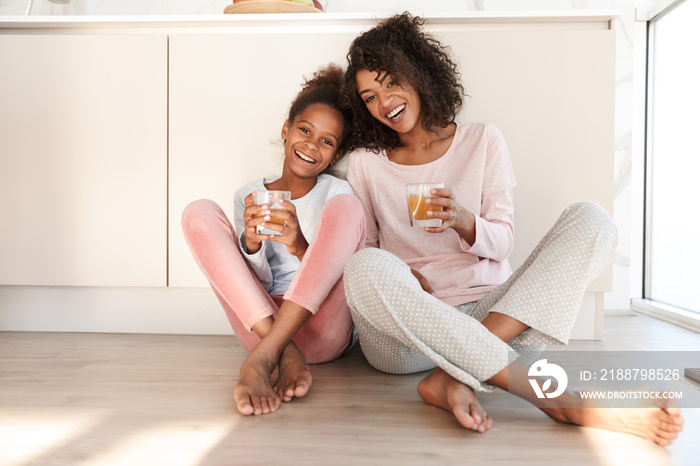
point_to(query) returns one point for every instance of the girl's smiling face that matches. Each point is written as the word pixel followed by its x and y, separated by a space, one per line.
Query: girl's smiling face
pixel 396 105
pixel 311 140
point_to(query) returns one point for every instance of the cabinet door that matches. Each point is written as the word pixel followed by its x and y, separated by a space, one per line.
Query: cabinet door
pixel 552 94
pixel 83 160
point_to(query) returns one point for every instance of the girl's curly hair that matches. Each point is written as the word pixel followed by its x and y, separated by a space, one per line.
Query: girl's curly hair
pixel 325 88
pixel 399 46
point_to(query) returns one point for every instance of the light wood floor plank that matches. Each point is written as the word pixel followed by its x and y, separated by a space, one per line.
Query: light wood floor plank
pixel 108 399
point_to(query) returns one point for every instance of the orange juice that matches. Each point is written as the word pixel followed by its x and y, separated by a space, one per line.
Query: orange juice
pixel 271 198
pixel 417 209
pixel 273 219
pixel 416 194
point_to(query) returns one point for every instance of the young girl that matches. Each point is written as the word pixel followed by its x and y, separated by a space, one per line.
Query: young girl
pixel 283 293
pixel 445 296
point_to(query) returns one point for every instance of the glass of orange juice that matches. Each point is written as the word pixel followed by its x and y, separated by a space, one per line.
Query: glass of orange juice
pixel 272 199
pixel 416 194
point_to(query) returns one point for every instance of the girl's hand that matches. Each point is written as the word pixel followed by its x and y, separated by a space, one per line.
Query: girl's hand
pixel 453 215
pixel 291 234
pixel 253 216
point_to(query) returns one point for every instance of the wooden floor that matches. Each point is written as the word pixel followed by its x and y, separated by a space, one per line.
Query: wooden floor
pixel 108 399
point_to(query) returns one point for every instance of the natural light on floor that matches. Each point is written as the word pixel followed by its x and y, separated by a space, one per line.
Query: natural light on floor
pixel 28 436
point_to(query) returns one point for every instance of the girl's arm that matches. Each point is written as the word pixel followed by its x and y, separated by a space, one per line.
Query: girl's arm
pixel 256 255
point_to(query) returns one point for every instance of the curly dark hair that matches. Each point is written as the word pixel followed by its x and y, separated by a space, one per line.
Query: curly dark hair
pixel 325 88
pixel 399 46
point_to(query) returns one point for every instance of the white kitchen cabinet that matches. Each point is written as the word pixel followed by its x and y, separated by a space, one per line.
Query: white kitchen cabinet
pixel 83 159
pixel 109 128
pixel 548 86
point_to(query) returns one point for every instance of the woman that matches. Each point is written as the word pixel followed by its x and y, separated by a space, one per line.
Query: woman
pixel 444 297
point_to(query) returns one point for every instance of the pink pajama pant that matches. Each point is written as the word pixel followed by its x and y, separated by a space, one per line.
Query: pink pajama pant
pixel 317 285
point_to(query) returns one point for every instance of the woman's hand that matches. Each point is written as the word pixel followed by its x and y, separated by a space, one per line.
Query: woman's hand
pixel 291 234
pixel 253 216
pixel 452 215
pixel 423 282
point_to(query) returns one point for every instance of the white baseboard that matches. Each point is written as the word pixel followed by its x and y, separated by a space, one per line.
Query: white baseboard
pixel 186 311
pixel 112 310
pixel 675 315
pixel 620 312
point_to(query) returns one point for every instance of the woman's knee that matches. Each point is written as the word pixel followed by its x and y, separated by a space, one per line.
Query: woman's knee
pixel 368 275
pixel 396 359
pixel 595 221
pixel 370 262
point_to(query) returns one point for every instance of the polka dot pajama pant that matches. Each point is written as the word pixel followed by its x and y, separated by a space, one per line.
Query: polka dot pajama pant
pixel 404 330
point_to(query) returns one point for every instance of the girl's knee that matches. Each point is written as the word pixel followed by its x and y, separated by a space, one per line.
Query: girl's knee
pixel 344 207
pixel 196 209
pixel 343 218
pixel 195 215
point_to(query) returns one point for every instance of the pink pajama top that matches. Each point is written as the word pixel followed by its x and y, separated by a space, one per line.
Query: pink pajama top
pixel 478 170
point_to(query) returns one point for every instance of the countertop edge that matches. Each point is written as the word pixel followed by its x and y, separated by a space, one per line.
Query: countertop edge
pixel 300 19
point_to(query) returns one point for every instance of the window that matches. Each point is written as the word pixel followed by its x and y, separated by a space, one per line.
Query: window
pixel 672 239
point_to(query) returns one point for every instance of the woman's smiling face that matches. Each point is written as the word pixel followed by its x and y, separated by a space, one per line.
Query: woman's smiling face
pixel 311 140
pixel 396 105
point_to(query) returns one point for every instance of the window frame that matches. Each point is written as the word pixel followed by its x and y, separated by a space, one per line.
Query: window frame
pixel 650 11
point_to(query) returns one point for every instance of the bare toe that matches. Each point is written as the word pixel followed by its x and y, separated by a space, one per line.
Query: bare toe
pixel 243 403
pixel 294 375
pixel 302 387
pixel 441 390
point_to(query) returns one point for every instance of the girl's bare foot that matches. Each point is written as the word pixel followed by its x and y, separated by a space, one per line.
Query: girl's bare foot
pixel 294 375
pixel 253 392
pixel 654 419
pixel 440 389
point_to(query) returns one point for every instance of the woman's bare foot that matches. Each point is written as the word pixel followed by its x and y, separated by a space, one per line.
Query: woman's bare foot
pixel 440 389
pixel 654 419
pixel 294 375
pixel 253 392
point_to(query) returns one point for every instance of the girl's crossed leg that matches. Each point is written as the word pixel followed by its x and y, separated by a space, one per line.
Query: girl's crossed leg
pixel 314 303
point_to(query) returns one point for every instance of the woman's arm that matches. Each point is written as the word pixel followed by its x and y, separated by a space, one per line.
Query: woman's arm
pixel 488 233
pixel 494 226
pixel 356 178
